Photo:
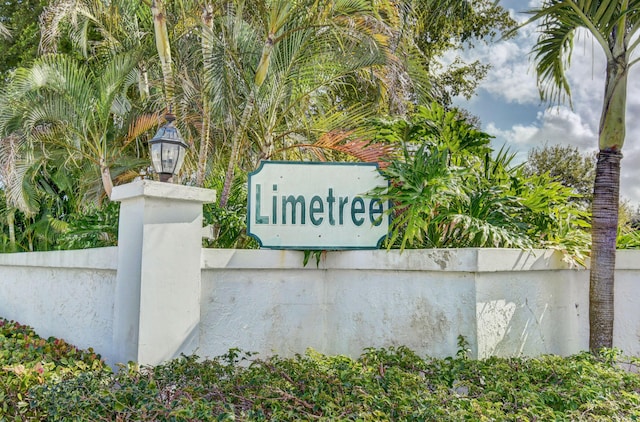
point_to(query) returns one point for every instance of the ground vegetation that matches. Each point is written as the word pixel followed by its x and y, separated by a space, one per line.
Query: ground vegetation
pixel 52 380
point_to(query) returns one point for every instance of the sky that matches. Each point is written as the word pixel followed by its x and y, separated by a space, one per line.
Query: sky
pixel 509 107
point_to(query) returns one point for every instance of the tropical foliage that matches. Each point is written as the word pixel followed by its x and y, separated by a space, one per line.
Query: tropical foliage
pixel 613 25
pixel 52 380
pixel 448 188
pixel 19 34
pixel 247 79
pixel 576 170
pixel 449 30
pixel 61 108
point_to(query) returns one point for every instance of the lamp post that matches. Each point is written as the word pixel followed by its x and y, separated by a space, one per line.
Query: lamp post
pixel 167 149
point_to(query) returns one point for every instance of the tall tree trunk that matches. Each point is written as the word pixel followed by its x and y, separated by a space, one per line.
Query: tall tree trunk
pixel 235 148
pixel 164 48
pixel 606 197
pixel 603 251
pixel 203 152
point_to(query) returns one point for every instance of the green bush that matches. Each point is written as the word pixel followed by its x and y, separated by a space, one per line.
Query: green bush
pixel 26 360
pixel 382 384
pixel 449 189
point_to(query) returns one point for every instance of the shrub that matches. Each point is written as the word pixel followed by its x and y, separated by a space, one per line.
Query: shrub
pixel 382 384
pixel 27 360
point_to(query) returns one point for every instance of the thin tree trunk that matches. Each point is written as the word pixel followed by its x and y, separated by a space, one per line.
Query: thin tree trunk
pixel 105 174
pixel 603 251
pixel 164 48
pixel 11 221
pixel 143 83
pixel 203 153
pixel 235 147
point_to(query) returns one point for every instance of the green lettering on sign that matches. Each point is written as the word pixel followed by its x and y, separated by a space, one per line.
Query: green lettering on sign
pixel 330 201
pixel 316 206
pixel 260 219
pixel 342 202
pixel 376 209
pixel 357 207
pixel 299 200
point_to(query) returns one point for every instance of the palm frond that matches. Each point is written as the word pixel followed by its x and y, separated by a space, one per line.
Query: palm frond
pixel 53 19
pixel 21 192
pixel 4 32
pixel 341 141
pixel 112 84
pixel 141 125
pixel 612 23
pixel 553 51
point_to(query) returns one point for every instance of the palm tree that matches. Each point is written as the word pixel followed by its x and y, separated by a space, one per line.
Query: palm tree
pixel 64 109
pixel 613 25
pixel 281 64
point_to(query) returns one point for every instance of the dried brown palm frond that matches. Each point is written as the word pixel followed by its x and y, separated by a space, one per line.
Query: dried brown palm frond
pixel 141 125
pixel 341 141
pixel 9 148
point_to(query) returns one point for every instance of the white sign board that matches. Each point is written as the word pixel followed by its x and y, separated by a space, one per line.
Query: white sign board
pixel 315 205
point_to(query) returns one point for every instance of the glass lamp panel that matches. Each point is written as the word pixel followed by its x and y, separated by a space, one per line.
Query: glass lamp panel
pixel 170 157
pixel 156 157
pixel 180 160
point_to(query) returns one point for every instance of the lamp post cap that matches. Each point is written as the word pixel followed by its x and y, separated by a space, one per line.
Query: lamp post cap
pixel 170 117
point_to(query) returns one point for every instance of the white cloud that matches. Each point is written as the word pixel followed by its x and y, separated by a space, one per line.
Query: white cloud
pixel 510 77
pixel 560 125
pixel 557 125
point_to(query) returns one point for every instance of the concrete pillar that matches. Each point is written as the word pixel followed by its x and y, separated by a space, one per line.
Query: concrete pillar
pixel 157 294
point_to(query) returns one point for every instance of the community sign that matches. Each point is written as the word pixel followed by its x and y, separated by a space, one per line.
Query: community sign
pixel 316 205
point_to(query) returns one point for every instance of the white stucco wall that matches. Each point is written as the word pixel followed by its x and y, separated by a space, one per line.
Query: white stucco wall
pixel 505 302
pixel 267 301
pixel 626 327
pixel 65 294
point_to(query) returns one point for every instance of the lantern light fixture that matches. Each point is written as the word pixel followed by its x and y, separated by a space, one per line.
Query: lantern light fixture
pixel 167 149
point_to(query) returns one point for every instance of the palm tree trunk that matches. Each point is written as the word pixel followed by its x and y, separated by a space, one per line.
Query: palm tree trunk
pixel 606 197
pixel 164 48
pixel 105 174
pixel 11 221
pixel 143 83
pixel 603 251
pixel 203 152
pixel 235 147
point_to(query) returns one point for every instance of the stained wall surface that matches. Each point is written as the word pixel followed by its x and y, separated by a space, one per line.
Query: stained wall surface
pixel 504 302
